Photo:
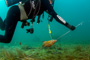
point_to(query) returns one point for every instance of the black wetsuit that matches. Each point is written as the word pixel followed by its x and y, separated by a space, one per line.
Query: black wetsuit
pixel 13 16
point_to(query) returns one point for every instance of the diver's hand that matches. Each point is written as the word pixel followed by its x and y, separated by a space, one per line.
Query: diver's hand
pixel 71 27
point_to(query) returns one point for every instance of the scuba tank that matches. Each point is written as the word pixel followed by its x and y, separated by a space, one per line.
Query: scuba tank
pixel 12 2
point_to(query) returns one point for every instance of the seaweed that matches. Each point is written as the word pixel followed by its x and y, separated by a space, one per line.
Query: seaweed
pixel 20 53
pixel 25 47
pixel 67 53
pixel 78 49
pixel 8 55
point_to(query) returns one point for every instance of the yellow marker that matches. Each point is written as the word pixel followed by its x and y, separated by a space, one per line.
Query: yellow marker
pixel 49 28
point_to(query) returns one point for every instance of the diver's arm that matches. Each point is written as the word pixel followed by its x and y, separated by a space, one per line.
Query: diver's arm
pixel 60 19
pixel 56 16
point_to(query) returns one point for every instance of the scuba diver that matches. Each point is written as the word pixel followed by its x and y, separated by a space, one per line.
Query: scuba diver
pixel 28 10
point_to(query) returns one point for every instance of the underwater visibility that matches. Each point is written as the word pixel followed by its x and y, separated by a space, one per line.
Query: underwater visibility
pixel 44 29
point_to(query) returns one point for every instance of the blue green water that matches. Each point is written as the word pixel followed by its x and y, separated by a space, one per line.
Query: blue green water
pixel 73 11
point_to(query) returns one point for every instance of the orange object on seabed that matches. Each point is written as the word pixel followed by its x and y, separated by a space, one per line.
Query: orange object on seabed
pixel 19 43
pixel 48 43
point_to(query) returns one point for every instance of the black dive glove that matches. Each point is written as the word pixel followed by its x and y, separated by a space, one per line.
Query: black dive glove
pixel 70 27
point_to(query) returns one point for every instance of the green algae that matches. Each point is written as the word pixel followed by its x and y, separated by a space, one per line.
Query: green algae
pixel 76 52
